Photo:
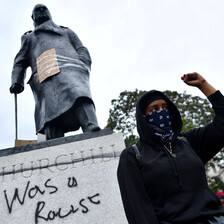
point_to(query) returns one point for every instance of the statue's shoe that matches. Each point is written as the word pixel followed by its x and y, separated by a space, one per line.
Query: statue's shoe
pixel 92 128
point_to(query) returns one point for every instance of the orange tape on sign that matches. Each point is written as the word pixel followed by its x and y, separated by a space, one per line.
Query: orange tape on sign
pixel 47 64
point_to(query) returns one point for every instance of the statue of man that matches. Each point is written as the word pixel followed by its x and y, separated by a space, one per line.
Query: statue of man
pixel 60 77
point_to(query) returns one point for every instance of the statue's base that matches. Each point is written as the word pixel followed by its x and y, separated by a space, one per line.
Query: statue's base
pixel 66 180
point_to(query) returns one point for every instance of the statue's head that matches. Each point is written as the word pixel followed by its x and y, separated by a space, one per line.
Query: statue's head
pixel 40 14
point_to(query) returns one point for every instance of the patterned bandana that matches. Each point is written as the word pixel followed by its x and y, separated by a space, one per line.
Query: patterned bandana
pixel 160 119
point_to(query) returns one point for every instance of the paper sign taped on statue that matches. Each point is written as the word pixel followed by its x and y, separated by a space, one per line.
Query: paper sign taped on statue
pixel 47 64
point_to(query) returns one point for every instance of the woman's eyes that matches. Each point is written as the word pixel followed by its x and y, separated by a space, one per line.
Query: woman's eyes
pixel 154 109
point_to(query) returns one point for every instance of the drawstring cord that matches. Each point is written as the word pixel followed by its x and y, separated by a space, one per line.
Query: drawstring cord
pixel 174 165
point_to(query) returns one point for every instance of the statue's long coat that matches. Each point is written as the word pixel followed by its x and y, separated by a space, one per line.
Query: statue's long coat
pixel 56 96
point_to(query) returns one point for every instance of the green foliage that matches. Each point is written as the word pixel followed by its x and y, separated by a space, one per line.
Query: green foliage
pixel 131 140
pixel 187 124
pixel 122 114
pixel 215 183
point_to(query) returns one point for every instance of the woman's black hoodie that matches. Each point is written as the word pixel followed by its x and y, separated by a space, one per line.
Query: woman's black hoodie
pixel 160 188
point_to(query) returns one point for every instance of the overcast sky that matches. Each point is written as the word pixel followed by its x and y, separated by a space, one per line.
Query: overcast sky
pixel 143 44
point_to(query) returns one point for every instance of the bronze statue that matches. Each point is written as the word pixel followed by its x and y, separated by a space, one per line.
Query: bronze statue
pixel 60 77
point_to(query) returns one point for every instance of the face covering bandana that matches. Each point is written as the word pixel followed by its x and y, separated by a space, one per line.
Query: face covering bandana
pixel 160 119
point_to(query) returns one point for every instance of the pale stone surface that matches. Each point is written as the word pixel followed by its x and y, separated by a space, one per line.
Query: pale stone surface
pixel 68 183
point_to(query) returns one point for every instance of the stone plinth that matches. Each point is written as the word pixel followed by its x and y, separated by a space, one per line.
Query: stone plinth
pixel 68 180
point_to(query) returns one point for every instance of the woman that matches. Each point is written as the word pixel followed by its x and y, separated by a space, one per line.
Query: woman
pixel 166 182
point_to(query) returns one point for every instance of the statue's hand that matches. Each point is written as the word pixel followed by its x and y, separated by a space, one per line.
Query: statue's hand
pixel 16 88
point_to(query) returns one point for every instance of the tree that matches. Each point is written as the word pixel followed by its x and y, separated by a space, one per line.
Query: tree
pixel 122 115
pixel 215 183
pixel 195 112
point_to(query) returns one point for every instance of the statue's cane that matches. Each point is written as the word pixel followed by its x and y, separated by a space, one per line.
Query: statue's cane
pixel 20 142
pixel 16 122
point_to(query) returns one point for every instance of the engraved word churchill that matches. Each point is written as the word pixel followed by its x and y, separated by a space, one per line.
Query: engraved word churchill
pixel 62 162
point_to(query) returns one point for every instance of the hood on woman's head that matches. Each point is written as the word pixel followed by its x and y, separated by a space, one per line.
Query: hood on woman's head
pixel 143 127
pixel 149 99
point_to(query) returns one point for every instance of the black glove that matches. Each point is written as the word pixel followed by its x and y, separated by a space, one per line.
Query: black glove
pixel 16 88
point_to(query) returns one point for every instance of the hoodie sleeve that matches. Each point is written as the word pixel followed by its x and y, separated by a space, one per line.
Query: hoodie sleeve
pixel 208 141
pixel 137 205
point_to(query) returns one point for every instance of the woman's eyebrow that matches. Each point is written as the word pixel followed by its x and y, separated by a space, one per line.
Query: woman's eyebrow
pixel 152 106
